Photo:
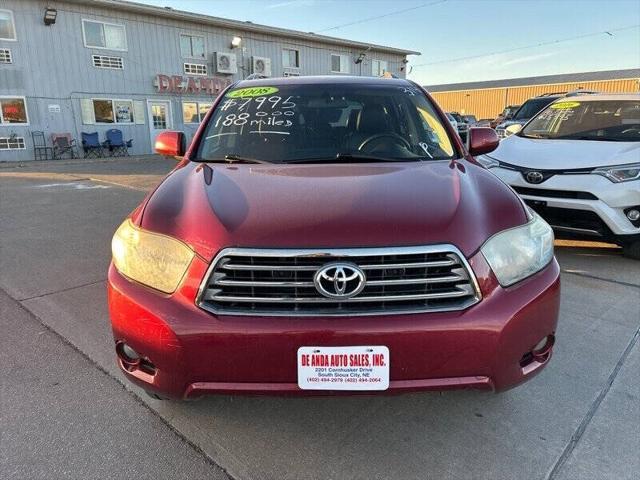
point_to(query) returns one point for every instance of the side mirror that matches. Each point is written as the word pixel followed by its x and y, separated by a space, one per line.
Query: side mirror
pixel 511 129
pixel 171 144
pixel 482 140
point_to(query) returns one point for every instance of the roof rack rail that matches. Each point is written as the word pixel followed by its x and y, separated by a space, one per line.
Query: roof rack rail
pixel 549 94
pixel 580 91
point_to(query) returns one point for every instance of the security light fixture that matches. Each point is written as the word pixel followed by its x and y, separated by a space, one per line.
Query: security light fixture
pixel 235 42
pixel 360 58
pixel 50 15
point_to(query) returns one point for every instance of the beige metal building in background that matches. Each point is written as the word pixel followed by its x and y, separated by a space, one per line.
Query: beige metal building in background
pixel 488 99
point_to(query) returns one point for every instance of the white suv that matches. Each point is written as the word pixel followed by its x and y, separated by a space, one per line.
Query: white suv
pixel 577 163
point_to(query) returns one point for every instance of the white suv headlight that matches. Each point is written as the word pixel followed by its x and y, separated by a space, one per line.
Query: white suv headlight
pixel 519 252
pixel 620 173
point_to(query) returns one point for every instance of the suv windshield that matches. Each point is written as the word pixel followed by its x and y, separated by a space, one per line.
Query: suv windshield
pixel 613 120
pixel 322 122
pixel 531 107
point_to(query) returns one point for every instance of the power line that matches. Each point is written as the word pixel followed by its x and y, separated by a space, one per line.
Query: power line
pixel 541 44
pixel 368 19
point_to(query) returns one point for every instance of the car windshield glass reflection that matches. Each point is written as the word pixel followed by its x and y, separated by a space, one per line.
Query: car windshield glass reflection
pixel 323 122
pixel 604 120
pixel 531 107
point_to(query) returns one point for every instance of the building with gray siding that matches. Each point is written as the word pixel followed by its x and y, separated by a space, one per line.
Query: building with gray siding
pixel 107 64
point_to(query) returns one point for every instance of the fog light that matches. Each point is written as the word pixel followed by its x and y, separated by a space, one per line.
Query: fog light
pixel 129 357
pixel 540 344
pixel 543 348
pixel 130 352
pixel 633 214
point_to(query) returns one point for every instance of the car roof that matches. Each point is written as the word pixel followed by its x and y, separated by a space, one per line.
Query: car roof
pixel 594 97
pixel 323 80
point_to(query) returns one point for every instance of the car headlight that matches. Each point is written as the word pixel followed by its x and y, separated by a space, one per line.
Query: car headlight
pixel 487 161
pixel 620 173
pixel 149 258
pixel 519 252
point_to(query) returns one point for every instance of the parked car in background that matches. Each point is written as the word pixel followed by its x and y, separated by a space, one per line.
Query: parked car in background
pixel 463 127
pixel 506 114
pixel 470 120
pixel 483 122
pixel 452 121
pixel 526 111
pixel 325 235
pixel 577 163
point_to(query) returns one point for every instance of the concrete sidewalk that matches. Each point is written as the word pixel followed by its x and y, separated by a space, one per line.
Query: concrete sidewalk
pixel 61 417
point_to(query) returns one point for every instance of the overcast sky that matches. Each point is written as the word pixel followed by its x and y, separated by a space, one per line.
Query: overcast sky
pixel 462 40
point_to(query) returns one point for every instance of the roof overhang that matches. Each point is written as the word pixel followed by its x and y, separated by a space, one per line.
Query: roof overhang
pixel 166 12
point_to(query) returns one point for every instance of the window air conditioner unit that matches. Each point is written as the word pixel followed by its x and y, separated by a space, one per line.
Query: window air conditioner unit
pixel 261 66
pixel 226 62
pixel 291 72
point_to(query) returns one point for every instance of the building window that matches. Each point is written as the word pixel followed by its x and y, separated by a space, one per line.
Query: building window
pixel 104 61
pixel 109 36
pixel 5 55
pixel 378 67
pixel 13 110
pixel 339 63
pixel 195 69
pixel 112 111
pixel 290 58
pixel 12 143
pixel 123 110
pixel 194 112
pixel 192 46
pixel 7 25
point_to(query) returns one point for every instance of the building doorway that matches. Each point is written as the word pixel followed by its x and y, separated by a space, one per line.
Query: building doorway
pixel 160 118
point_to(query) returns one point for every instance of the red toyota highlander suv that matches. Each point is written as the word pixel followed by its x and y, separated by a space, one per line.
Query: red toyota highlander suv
pixel 326 235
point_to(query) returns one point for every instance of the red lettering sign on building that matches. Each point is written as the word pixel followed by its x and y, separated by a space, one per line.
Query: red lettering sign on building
pixel 191 85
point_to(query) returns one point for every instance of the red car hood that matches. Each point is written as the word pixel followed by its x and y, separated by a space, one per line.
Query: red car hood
pixel 212 206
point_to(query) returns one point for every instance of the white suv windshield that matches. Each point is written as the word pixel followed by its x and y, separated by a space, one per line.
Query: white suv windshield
pixel 297 122
pixel 608 120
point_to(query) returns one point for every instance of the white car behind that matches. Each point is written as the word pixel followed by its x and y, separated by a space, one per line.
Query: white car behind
pixel 577 163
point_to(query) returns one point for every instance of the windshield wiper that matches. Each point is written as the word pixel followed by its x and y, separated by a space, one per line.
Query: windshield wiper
pixel 353 157
pixel 533 135
pixel 231 158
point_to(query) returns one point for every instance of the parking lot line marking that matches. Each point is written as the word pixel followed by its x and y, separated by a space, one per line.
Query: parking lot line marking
pixel 577 435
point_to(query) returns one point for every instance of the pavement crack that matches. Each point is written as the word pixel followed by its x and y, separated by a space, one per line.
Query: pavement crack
pixel 60 291
pixel 603 279
pixel 577 435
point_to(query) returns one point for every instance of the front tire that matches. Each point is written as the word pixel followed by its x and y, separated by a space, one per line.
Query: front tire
pixel 632 250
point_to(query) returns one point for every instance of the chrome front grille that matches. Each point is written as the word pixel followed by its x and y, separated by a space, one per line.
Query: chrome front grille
pixel 247 281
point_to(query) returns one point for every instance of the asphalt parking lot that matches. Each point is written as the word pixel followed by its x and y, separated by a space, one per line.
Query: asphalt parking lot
pixel 67 413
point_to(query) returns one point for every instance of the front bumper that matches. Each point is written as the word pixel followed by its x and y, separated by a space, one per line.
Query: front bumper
pixel 194 352
pixel 609 205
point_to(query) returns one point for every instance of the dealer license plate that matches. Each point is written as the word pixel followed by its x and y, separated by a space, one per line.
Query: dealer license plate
pixel 343 368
